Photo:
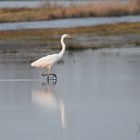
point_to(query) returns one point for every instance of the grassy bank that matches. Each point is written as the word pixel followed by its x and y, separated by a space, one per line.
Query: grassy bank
pixel 48 11
pixel 83 37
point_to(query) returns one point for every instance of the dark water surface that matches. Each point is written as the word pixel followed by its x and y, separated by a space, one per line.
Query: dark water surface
pixel 97 96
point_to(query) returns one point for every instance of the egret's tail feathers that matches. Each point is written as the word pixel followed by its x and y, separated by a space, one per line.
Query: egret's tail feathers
pixel 35 64
pixel 41 63
pixel 38 64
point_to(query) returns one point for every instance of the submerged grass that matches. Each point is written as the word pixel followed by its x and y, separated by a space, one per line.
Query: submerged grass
pixel 49 11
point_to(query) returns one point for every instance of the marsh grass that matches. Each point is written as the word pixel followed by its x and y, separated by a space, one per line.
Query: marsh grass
pixel 83 37
pixel 76 46
pixel 49 11
pixel 137 43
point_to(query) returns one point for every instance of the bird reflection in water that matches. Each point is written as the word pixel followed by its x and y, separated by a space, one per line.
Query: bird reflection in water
pixel 46 97
pixel 138 127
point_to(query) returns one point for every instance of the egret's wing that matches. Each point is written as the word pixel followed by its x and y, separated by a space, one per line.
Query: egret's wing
pixel 45 61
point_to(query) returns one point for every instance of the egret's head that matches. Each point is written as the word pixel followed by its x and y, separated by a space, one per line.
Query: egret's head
pixel 66 36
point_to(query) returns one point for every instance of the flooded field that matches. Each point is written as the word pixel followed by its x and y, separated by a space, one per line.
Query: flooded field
pixel 67 23
pixel 21 3
pixel 96 97
pixel 13 4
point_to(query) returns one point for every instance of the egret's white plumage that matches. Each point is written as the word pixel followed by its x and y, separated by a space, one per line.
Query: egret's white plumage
pixel 49 60
pixel 45 61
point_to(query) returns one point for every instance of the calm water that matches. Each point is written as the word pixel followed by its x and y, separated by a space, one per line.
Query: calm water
pixel 97 96
pixel 66 23
pixel 5 4
pixel 31 3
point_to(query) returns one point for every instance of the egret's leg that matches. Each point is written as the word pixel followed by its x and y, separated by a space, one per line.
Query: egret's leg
pixel 48 76
pixel 54 75
pixel 53 78
pixel 49 70
pixel 44 73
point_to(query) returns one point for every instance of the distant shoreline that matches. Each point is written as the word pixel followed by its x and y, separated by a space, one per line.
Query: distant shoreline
pixel 48 11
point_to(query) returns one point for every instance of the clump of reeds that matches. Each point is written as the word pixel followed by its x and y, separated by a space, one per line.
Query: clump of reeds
pixel 102 9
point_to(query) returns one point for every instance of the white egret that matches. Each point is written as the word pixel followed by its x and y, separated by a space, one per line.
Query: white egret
pixel 48 61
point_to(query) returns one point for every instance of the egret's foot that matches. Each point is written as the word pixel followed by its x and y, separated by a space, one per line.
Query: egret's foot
pixel 51 77
pixel 43 74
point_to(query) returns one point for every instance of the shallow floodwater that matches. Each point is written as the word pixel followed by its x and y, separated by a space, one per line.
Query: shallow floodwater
pixel 25 3
pixel 97 96
pixel 67 23
pixel 13 4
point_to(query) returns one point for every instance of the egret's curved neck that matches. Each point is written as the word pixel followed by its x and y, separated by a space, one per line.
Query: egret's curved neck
pixel 63 47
